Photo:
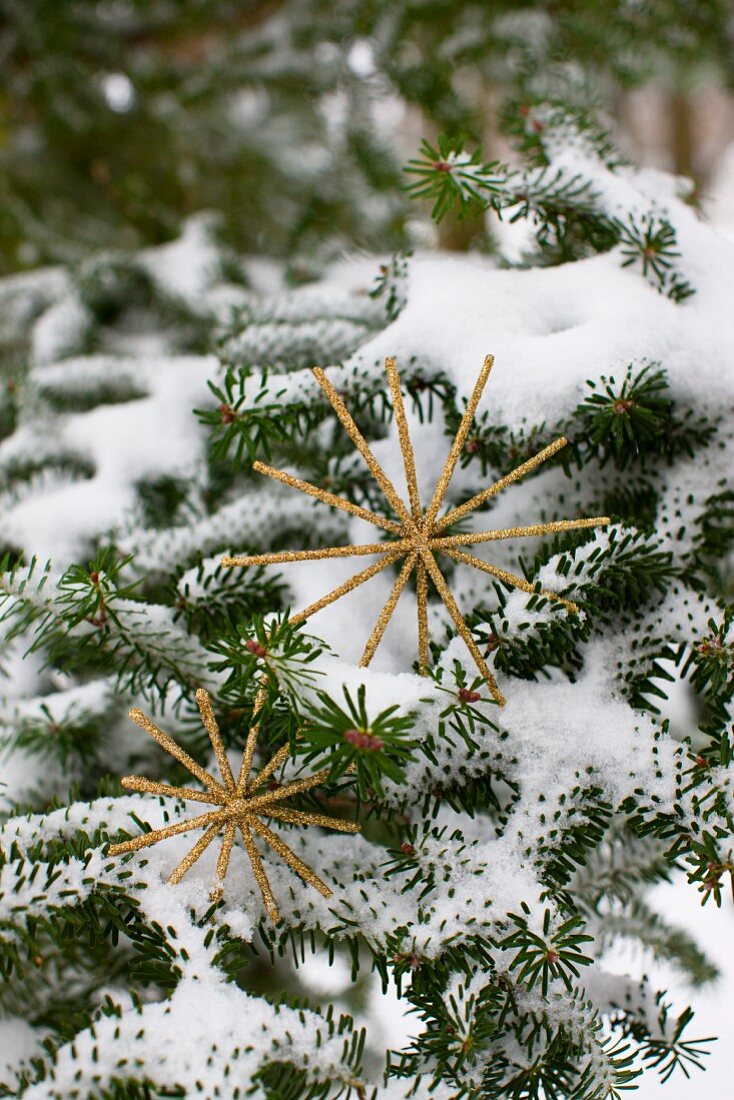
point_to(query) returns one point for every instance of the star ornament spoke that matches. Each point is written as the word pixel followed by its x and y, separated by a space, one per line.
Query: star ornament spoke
pixel 237 806
pixel 417 535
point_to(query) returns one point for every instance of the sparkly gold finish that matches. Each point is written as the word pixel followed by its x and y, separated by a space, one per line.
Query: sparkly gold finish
pixel 314 555
pixel 342 589
pixel 237 805
pixel 418 534
pixel 386 613
pixel 421 592
pixel 406 444
pixel 497 486
pixel 458 445
pixel 361 444
pixel 504 575
pixel 327 498
pixel 518 532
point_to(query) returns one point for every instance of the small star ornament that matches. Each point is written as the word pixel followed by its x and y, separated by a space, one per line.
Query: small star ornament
pixel 416 535
pixel 237 806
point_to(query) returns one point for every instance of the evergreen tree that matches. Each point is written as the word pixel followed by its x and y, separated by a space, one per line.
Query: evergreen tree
pixel 502 848
pixel 120 119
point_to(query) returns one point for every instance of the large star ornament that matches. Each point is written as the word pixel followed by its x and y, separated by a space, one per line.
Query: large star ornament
pixel 416 535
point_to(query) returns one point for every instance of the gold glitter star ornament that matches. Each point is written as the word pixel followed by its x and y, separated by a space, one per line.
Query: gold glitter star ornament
pixel 237 806
pixel 416 535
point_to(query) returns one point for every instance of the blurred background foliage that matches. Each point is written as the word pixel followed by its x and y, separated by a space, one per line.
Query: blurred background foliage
pixel 292 118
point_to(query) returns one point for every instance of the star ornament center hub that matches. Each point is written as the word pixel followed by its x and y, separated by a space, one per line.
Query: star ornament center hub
pixel 418 534
pixel 238 808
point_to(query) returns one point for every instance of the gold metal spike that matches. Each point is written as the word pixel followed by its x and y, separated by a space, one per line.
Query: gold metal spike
pixel 418 535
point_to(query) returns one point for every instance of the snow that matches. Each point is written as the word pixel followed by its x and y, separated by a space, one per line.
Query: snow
pixel 233 524
pixel 709 926
pixel 207 1038
pixel 555 731
pixel 550 330
pixel 124 444
pixel 204 1013
pixel 49 712
pixel 62 328
pixel 189 265
pixel 19 1042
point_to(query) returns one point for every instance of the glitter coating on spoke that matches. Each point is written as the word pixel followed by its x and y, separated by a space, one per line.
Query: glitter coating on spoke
pixel 419 534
